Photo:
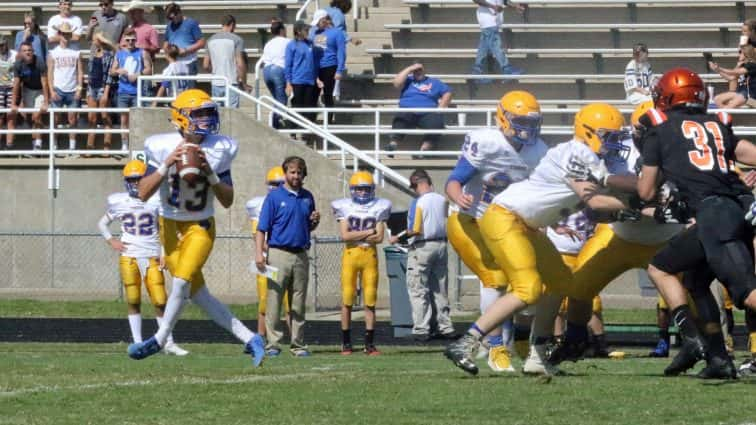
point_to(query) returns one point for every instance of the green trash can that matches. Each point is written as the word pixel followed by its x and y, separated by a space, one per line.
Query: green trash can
pixel 401 309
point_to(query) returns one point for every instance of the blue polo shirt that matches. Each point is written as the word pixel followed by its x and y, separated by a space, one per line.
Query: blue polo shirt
pixel 285 217
pixel 422 94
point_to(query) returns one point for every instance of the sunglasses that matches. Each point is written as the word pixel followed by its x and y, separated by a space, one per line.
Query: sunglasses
pixel 129 40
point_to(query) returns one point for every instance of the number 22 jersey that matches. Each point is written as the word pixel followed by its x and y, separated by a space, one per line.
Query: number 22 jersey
pixel 179 200
pixel 361 216
pixel 139 224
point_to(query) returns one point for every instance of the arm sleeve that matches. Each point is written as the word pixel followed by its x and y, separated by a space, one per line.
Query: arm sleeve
pixel 462 172
pixel 289 62
pixel 196 31
pixel 443 88
pixel 238 45
pixel 103 226
pixel 340 52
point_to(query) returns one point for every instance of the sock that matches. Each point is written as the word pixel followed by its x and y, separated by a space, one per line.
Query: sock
pixel 716 344
pixel 168 340
pixel 221 315
pixel 369 337
pixel 476 332
pixel 682 318
pixel 495 341
pixel 576 332
pixel 71 144
pixel 176 302
pixel 730 320
pixel 135 323
pixel 38 144
pixel 507 332
pixel 346 336
pixel 599 342
pixel 664 334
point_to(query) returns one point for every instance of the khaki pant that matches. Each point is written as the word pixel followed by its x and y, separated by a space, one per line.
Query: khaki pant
pixel 427 286
pixel 293 276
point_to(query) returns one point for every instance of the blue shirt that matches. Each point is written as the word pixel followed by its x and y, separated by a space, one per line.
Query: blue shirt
pixel 299 67
pixel 330 48
pixel 285 217
pixel 132 61
pixel 39 44
pixel 184 35
pixel 422 94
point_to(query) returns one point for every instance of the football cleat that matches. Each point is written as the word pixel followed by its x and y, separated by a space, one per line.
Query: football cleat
pixel 461 353
pixel 718 368
pixel 747 368
pixel 536 363
pixel 370 350
pixel 483 350
pixel 661 350
pixel 300 352
pixel 346 349
pixel 256 347
pixel 690 353
pixel 272 352
pixel 499 359
pixel 567 351
pixel 142 350
pixel 173 349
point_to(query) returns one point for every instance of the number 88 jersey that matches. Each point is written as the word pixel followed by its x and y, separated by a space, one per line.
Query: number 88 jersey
pixel 361 216
pixel 139 224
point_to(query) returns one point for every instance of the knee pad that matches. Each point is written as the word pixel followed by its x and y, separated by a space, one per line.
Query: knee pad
pixel 133 293
pixel 529 294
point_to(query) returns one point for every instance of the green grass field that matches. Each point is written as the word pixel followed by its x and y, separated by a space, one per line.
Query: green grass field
pixel 98 384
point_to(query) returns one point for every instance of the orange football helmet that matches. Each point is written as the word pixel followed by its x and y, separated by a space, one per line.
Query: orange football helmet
pixel 680 86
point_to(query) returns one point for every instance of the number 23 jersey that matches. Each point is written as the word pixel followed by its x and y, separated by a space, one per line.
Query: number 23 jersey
pixel 179 200
pixel 139 224
pixel 361 216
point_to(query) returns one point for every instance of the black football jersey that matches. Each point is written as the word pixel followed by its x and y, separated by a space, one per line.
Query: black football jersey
pixel 695 151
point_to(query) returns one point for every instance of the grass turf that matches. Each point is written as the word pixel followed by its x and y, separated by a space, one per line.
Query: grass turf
pixel 97 383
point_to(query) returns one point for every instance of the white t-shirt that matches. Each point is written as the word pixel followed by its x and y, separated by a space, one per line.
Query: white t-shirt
pixel 427 216
pixel 638 76
pixel 175 87
pixel 361 216
pixel 65 61
pixel 139 224
pixel 274 52
pixel 488 17
pixel 57 20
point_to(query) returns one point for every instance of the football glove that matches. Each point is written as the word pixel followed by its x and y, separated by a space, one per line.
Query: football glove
pixel 578 170
pixel 751 214
pixel 628 215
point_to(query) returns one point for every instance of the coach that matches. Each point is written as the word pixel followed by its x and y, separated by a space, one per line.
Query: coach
pixel 287 216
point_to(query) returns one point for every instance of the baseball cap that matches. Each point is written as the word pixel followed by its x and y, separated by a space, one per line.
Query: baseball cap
pixel 319 14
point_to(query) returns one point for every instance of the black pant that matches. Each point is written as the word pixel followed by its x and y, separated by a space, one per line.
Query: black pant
pixel 305 96
pixel 411 120
pixel 328 76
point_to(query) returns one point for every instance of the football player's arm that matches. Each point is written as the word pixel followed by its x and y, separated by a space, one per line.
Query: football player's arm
pixel 745 152
pixel 648 182
pixel 221 184
pixel 460 175
pixel 114 242
pixel 353 235
pixel 149 184
pixel 623 183
pixel 378 233
pixel 588 193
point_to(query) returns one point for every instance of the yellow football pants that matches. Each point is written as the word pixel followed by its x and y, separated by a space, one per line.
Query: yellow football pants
pixel 187 247
pixel 464 236
pixel 570 260
pixel 262 296
pixel 527 256
pixel 132 280
pixel 604 257
pixel 359 262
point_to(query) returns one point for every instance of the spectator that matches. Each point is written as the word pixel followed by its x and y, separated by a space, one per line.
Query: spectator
pixel 427 260
pixel 65 16
pixel 288 216
pixel 30 87
pixel 186 34
pixel 109 21
pixel 171 88
pixel 639 76
pixel 336 11
pixel 301 71
pixel 330 54
pixel 274 58
pixel 130 62
pixel 7 59
pixel 226 57
pixel 419 91
pixel 146 34
pixel 745 75
pixel 65 77
pixel 99 84
pixel 490 17
pixel 33 35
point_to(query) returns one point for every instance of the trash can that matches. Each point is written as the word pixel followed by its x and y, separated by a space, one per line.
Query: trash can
pixel 401 309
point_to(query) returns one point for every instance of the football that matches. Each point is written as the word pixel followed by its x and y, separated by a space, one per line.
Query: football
pixel 188 167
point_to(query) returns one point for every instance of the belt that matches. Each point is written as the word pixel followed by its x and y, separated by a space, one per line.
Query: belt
pixel 290 249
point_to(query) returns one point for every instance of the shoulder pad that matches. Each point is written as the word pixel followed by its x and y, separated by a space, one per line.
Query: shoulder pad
pixel 653 117
pixel 724 118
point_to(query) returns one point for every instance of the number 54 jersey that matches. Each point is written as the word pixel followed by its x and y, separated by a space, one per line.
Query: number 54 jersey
pixel 179 200
pixel 139 224
pixel 361 216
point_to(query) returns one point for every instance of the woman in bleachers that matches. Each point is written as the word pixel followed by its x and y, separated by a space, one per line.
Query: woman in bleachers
pixel 99 84
pixel 745 75
pixel 337 11
pixel 639 76
pixel 301 70
pixel 330 54
pixel 274 58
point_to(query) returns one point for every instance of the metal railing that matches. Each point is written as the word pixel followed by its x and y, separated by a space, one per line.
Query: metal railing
pixel 302 12
pixel 589 2
pixel 651 26
pixel 142 99
pixel 612 78
pixel 557 52
pixel 184 3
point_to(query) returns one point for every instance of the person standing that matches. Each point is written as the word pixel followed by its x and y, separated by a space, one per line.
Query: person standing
pixel 288 216
pixel 30 88
pixel 330 54
pixel 66 77
pixel 427 260
pixel 99 85
pixel 130 62
pixel 301 70
pixel 490 17
pixel 226 58
pixel 274 58
pixel 65 16
pixel 7 59
pixel 185 33
pixel 109 21
pixel 146 34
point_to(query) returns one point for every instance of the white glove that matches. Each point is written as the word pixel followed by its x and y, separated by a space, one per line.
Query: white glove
pixel 578 170
pixel 600 172
pixel 751 215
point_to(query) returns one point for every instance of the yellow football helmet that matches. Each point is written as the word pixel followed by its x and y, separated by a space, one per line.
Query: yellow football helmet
pixel 132 172
pixel 595 121
pixel 639 111
pixel 275 177
pixel 518 112
pixel 362 187
pixel 194 113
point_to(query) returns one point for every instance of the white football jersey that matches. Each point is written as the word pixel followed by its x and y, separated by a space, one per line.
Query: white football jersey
pixel 361 216
pixel 498 165
pixel 546 197
pixel 578 223
pixel 254 207
pixel 139 224
pixel 178 200
pixel 646 231
pixel 638 76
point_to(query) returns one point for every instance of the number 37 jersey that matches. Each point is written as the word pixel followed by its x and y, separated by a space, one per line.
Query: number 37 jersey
pixel 179 200
pixel 139 224
pixel 361 216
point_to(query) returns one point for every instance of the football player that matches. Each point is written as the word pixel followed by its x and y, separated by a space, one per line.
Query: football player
pixel 140 251
pixel 510 225
pixel 491 160
pixel 187 225
pixel 696 152
pixel 273 180
pixel 362 224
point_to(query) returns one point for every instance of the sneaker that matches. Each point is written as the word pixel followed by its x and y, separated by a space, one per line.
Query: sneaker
pixel 536 363
pixel 461 352
pixel 499 359
pixel 144 349
pixel 483 349
pixel 370 350
pixel 272 352
pixel 567 351
pixel 718 368
pixel 421 337
pixel 256 347
pixel 449 336
pixel 690 353
pixel 661 350
pixel 300 352
pixel 747 368
pixel 174 349
pixel 346 349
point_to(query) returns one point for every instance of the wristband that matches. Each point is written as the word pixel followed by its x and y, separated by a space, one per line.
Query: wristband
pixel 606 178
pixel 107 235
pixel 213 179
pixel 162 170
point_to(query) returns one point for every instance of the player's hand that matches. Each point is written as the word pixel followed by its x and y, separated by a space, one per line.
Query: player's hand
pixel 751 215
pixel 175 156
pixel 464 201
pixel 117 245
pixel 564 230
pixel 750 179
pixel 204 165
pixel 161 263
pixel 260 262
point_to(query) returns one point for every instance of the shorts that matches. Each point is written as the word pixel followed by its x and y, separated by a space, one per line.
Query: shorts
pixel 6 94
pixel 67 99
pixel 95 93
pixel 32 98
pixel 126 100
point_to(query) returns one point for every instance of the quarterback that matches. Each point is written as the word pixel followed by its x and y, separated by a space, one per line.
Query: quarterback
pixel 187 225
pixel 362 225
